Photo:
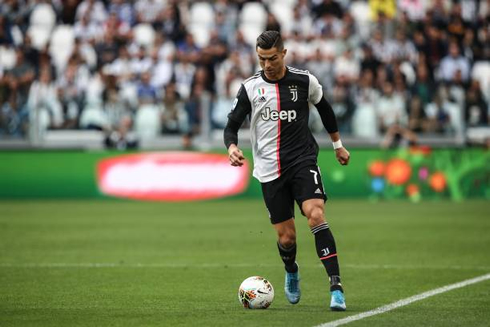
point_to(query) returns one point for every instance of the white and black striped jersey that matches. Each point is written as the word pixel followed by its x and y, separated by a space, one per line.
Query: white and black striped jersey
pixel 279 114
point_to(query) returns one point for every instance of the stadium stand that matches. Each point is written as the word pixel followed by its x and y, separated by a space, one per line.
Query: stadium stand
pixel 396 72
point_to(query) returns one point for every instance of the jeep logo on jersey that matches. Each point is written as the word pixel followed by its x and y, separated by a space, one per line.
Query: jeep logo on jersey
pixel 269 114
pixel 294 91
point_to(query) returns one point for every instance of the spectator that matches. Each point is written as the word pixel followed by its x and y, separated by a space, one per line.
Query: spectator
pixel 383 49
pixel 184 74
pixel 342 105
pixel 174 116
pixel 16 84
pixel 106 50
pixel 5 32
pixel 415 9
pixel 364 120
pixel 45 110
pixel 141 62
pixel 120 120
pixel 347 66
pixel 391 108
pixel 322 67
pixel 456 27
pixel 423 88
pixel 437 112
pixel 147 93
pixel 72 87
pixel 435 47
pixel 147 11
pixel 124 12
pixel 94 10
pixel 330 7
pixel 86 30
pixel 476 109
pixel 169 22
pixel 369 61
pixel 404 49
pixel 454 63
pixel 417 120
pixel 271 23
pixel 68 11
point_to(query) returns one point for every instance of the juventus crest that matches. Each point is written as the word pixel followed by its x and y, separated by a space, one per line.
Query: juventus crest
pixel 294 91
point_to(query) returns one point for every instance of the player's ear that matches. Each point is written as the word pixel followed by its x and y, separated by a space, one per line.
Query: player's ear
pixel 284 51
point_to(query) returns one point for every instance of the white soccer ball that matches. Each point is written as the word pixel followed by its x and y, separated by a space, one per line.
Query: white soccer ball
pixel 256 293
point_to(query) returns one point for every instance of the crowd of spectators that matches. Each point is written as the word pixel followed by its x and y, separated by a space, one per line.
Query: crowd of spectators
pixel 139 69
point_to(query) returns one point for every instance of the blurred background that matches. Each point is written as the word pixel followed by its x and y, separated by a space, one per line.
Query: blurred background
pixel 412 76
pixel 163 73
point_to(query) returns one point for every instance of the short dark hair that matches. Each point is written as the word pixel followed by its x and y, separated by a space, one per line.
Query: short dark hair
pixel 270 39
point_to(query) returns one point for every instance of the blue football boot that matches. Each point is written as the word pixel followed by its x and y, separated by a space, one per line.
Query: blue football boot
pixel 338 301
pixel 291 287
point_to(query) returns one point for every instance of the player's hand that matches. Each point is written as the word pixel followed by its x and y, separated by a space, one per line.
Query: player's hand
pixel 343 156
pixel 236 156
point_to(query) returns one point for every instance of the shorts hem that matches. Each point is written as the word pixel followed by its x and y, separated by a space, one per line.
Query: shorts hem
pixel 316 196
pixel 278 221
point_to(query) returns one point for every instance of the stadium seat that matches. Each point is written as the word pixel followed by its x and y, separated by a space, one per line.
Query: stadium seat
pixel 252 19
pixel 147 122
pixel 144 34
pixel 93 115
pixel 253 13
pixel 362 15
pixel 61 45
pixel 201 13
pixel 250 33
pixel 364 123
pixel 7 57
pixel 284 14
pixel 43 16
pixel 39 36
pixel 17 36
pixel 200 33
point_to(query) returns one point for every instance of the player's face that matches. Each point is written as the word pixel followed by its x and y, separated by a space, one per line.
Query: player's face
pixel 272 62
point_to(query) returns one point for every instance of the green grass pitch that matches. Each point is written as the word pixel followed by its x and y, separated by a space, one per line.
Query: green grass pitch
pixel 122 263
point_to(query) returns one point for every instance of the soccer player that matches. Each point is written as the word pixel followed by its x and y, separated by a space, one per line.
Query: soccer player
pixel 285 156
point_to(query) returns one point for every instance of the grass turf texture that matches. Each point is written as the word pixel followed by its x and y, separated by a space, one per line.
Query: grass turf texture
pixel 180 264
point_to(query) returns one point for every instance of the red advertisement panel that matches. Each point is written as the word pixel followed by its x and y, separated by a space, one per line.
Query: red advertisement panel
pixel 171 176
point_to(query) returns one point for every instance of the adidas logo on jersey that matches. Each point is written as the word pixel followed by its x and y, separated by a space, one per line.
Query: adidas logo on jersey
pixel 318 191
pixel 262 99
pixel 269 114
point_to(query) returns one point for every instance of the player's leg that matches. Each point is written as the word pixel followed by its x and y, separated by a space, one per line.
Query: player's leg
pixel 280 204
pixel 310 195
pixel 286 235
pixel 286 243
pixel 326 249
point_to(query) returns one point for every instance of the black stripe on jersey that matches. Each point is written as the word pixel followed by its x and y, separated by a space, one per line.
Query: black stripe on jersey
pixel 298 71
pixel 256 75
pixel 296 142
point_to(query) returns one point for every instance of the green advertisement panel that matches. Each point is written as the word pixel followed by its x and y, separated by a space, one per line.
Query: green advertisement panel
pixel 414 174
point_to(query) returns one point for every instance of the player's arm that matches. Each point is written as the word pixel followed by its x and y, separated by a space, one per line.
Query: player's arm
pixel 241 108
pixel 315 96
pixel 330 123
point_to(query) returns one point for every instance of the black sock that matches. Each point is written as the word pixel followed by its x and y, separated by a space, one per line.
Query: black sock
pixel 327 252
pixel 288 256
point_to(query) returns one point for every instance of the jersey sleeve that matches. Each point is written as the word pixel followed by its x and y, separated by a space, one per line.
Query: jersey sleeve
pixel 315 90
pixel 241 106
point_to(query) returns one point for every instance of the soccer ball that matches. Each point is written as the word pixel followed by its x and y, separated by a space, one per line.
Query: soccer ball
pixel 256 293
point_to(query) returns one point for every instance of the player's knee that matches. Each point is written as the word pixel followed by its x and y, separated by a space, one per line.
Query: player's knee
pixel 287 238
pixel 315 216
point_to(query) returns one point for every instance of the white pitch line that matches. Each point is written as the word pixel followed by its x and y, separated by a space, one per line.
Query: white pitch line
pixel 405 302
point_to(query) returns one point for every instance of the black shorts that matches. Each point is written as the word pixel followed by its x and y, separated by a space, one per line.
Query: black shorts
pixel 299 183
